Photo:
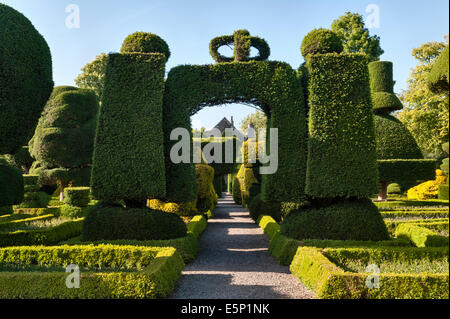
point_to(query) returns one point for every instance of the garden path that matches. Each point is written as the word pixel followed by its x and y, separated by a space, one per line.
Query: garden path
pixel 234 262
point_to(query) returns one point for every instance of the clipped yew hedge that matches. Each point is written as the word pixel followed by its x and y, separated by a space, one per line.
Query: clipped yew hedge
pixel 341 147
pixel 128 160
pixel 272 86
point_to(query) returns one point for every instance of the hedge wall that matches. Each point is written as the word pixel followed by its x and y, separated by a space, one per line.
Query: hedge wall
pixel 11 184
pixel 130 165
pixel 393 170
pixel 341 147
pixel 272 86
pixel 25 78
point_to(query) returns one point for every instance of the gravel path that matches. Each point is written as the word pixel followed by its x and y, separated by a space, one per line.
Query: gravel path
pixel 234 262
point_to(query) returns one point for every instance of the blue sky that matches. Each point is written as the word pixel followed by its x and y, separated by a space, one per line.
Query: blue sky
pixel 188 26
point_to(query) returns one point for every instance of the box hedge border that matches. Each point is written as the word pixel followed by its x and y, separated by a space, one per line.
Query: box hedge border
pixel 316 271
pixel 162 268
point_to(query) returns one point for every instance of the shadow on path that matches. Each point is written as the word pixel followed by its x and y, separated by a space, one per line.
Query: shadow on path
pixel 234 262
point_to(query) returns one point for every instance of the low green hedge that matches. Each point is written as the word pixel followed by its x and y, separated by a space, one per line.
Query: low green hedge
pixel 20 222
pixel 77 196
pixel 38 211
pixel 161 269
pixel 283 249
pixel 268 225
pixel 420 236
pixel 48 236
pixel 187 246
pixel 316 271
pixel 443 191
pixel 411 213
pixel 407 203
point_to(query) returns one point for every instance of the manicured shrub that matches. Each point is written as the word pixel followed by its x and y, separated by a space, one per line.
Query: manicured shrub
pixel 272 86
pixel 218 185
pixel 249 183
pixel 25 79
pixel 443 192
pixel 420 236
pixel 72 211
pixel 236 191
pixel 77 196
pixel 21 159
pixel 320 41
pixel 64 138
pixel 206 195
pixel 381 77
pixel 242 42
pixel 259 207
pixel 11 184
pixel 130 127
pixel 145 42
pixel 341 147
pixel 394 188
pixel 33 197
pixel 345 220
pixel 283 249
pixel 105 223
pixel 428 189
pixel 181 209
pixel 268 225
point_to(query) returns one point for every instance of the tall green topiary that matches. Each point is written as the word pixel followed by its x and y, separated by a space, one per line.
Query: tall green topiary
pixel 341 148
pixel 63 141
pixel 399 157
pixel 341 164
pixel 128 162
pixel 25 85
pixel 25 78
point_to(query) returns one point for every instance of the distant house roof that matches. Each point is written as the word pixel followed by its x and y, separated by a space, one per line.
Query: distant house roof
pixel 224 124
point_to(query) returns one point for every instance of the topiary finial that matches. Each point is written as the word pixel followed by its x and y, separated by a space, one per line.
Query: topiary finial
pixel 242 42
pixel 145 42
pixel 384 100
pixel 320 41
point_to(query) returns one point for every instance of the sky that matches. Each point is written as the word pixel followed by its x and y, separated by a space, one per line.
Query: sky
pixel 189 25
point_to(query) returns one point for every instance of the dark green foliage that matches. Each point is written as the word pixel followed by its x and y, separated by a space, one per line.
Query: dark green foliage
pixel 63 141
pixel 259 207
pixel 382 87
pixel 319 41
pixel 77 196
pixel 438 77
pixel 145 42
pixel 341 147
pixel 72 211
pixel 33 197
pixel 272 86
pixel 407 170
pixel 242 42
pixel 346 220
pixel 21 159
pixel 218 185
pixel 128 160
pixel 393 139
pixel 381 76
pixel 444 165
pixel 105 223
pixel 25 79
pixel 11 184
pixel 236 191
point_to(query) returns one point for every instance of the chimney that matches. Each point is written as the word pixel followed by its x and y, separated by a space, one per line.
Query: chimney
pixel 232 123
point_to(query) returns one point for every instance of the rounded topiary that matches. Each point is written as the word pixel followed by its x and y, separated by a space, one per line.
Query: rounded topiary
pixel 145 42
pixel 393 139
pixel 11 184
pixel 21 159
pixel 206 194
pixel 77 196
pixel 320 41
pixel 259 207
pixel 345 220
pixel 382 87
pixel 236 191
pixel 394 188
pixel 25 78
pixel 111 222
pixel 33 196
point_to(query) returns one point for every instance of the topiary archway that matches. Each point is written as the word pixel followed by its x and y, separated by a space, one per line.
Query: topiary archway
pixel 273 86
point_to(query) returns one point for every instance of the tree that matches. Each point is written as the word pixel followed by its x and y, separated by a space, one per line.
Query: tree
pixel 426 114
pixel 63 141
pixel 355 37
pixel 258 119
pixel 93 74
